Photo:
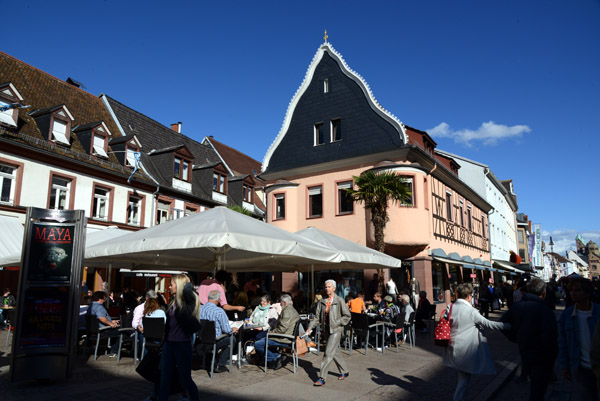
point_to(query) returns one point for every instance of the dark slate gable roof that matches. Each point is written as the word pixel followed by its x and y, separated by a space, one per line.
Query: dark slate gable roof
pixel 365 127
pixel 120 139
pixel 154 135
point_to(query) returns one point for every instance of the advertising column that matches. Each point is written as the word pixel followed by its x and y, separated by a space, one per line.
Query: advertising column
pixel 48 302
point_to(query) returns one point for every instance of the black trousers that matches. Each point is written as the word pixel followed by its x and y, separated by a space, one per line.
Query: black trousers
pixel 539 374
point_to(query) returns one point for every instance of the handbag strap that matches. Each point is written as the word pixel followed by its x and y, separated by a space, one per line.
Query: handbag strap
pixel 450 314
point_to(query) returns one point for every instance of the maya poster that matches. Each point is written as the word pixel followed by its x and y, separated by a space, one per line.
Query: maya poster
pixel 45 317
pixel 50 252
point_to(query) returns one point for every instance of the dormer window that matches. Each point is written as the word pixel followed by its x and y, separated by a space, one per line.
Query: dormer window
pixel 219 182
pixel 99 145
pixel 181 169
pixel 8 96
pixel 247 193
pixel 60 126
pixel 131 151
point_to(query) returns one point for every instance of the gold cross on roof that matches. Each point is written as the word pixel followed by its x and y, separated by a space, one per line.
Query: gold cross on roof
pixel 325 37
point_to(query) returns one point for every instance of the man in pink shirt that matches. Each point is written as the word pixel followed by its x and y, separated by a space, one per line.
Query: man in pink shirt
pixel 209 285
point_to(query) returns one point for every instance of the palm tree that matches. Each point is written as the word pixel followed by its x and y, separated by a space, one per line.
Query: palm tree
pixel 379 190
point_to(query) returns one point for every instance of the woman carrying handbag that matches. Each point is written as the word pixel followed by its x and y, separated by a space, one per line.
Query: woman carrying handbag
pixel 468 351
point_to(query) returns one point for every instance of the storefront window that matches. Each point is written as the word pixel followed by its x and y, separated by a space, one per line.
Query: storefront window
pixel 437 280
pixel 347 281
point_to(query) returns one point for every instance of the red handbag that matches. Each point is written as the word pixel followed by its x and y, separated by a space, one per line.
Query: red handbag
pixel 442 330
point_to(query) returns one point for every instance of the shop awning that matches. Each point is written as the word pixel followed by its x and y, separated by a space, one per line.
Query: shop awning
pixel 149 273
pixel 454 258
pixel 505 266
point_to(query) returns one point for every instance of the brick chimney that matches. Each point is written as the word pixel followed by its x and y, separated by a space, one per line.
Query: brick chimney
pixel 176 127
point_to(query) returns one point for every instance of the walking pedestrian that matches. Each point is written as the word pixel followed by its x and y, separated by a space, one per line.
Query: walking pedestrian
pixel 535 331
pixel 333 314
pixel 182 323
pixel 576 326
pixel 468 351
pixel 485 297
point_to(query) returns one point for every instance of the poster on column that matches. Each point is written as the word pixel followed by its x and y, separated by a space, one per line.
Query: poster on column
pixel 51 252
pixel 46 317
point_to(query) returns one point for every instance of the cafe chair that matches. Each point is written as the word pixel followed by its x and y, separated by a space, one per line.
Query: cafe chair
pixel 396 327
pixel 360 327
pixel 127 334
pixel 278 337
pixel 207 341
pixel 154 331
pixel 94 332
pixel 409 331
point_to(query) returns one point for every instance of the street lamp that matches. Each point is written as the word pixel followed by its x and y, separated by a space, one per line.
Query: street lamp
pixel 551 243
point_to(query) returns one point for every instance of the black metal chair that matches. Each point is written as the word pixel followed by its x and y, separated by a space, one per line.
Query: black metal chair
pixel 395 327
pixel 154 331
pixel 292 346
pixel 409 331
pixel 361 328
pixel 94 332
pixel 207 342
pixel 127 334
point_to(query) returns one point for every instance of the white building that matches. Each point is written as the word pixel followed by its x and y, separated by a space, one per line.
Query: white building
pixel 581 266
pixel 502 219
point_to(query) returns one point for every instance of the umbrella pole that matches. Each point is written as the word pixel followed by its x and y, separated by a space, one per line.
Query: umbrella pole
pixel 312 281
pixel 108 286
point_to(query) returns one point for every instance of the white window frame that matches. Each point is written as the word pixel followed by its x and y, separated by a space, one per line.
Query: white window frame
pixel 326 85
pixel 11 179
pixel 57 189
pixel 134 210
pixel 331 129
pixel 469 218
pixel 58 135
pixel 312 192
pixel 461 209
pixel 101 195
pixel 316 134
pixel 8 117
pixel 130 157
pixel 99 149
pixel 341 188
pixel 449 207
pixel 163 210
pixel 278 211
pixel 412 190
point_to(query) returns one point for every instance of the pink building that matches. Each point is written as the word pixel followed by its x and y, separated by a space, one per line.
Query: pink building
pixel 334 130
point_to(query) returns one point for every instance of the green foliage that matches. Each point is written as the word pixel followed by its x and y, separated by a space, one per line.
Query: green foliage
pixel 240 209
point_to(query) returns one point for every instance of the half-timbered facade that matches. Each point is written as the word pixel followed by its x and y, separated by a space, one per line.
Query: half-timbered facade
pixel 334 130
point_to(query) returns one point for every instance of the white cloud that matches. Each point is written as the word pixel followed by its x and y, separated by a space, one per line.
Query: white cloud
pixel 488 133
pixel 564 239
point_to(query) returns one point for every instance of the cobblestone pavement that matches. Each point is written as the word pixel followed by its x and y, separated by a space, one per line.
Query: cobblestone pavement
pixel 411 374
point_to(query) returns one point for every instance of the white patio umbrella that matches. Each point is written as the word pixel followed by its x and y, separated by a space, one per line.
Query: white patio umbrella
pixel 12 232
pixel 217 238
pixel 353 256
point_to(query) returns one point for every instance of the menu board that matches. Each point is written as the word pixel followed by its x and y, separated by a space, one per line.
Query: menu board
pixel 50 252
pixel 45 317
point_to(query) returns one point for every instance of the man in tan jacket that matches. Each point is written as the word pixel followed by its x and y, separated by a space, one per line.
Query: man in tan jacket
pixel 285 325
pixel 333 314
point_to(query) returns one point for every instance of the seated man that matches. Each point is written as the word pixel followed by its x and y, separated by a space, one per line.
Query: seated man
pixel 285 325
pixel 211 311
pixel 357 305
pixel 108 327
pixel 378 303
pixel 406 307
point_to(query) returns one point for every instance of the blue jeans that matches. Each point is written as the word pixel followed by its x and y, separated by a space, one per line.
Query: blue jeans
pixel 260 346
pixel 177 354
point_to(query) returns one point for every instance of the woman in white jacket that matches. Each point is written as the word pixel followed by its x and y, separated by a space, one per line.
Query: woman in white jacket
pixel 468 351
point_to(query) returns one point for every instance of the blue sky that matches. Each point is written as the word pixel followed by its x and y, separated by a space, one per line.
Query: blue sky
pixel 511 84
